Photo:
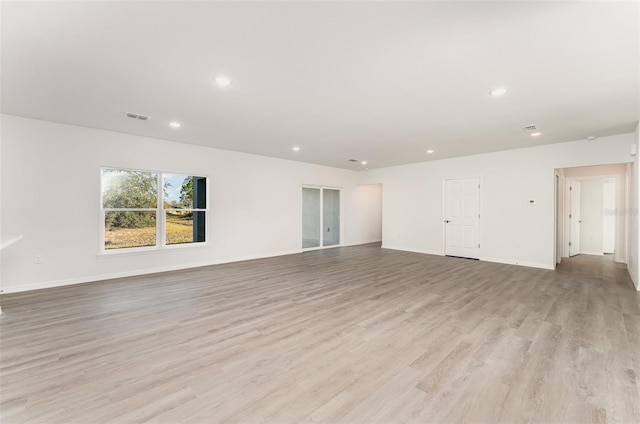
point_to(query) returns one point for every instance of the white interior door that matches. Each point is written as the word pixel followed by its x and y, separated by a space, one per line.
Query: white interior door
pixel 574 218
pixel 462 217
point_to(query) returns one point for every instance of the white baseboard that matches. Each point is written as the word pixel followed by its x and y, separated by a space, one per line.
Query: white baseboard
pixel 520 263
pixel 404 249
pixel 133 273
pixel 362 242
pixel 495 260
pixel 591 253
pixel 633 279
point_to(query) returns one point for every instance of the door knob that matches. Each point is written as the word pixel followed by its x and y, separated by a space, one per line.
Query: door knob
pixel 447 221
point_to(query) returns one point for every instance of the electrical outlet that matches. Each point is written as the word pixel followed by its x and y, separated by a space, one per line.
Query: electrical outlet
pixel 37 259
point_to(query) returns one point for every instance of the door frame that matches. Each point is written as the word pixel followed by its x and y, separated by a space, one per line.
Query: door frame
pixel 558 218
pixel 567 190
pixel 340 213
pixel 620 222
pixel 444 212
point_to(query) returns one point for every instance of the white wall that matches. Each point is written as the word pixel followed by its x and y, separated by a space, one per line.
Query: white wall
pixel 50 183
pixel 609 215
pixel 512 230
pixel 634 228
pixel 50 193
pixel 591 215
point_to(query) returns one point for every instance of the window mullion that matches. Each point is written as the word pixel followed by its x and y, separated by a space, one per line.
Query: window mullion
pixel 160 216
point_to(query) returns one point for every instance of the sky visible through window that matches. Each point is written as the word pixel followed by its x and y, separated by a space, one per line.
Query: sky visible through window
pixel 173 184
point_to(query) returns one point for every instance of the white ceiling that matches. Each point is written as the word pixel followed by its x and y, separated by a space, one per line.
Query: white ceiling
pixel 381 81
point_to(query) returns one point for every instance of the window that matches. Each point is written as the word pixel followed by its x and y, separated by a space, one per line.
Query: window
pixel 149 209
pixel 185 204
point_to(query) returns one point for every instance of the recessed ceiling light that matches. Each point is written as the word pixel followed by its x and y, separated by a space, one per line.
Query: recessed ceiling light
pixel 591 137
pixel 430 151
pixel 296 149
pixel 499 91
pixel 364 162
pixel 174 124
pixel 535 134
pixel 223 81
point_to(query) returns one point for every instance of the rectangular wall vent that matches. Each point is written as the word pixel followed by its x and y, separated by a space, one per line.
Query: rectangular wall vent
pixel 529 128
pixel 136 116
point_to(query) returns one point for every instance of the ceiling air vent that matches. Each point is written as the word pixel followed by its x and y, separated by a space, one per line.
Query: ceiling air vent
pixel 529 128
pixel 136 116
pixel 353 160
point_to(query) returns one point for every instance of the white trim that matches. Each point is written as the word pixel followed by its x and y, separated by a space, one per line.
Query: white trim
pixel 627 219
pixel 145 250
pixel 635 283
pixel 494 260
pixel 8 240
pixel 358 243
pixel 404 249
pixel 557 210
pixel 160 214
pixel 311 249
pixel 568 183
pixel 582 252
pixel 518 263
pixel 102 277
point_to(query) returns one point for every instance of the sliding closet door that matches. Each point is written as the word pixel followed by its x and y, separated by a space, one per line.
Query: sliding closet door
pixel 310 217
pixel 320 217
pixel 330 217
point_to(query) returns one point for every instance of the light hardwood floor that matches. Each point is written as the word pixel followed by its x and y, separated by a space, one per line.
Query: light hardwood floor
pixel 347 335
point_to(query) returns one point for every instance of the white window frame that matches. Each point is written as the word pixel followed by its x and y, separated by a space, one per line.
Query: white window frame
pixel 161 236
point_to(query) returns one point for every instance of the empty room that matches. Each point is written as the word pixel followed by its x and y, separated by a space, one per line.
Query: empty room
pixel 332 212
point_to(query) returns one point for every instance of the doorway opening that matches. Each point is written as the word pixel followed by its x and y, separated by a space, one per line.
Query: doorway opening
pixel 590 204
pixel 321 225
pixel 369 215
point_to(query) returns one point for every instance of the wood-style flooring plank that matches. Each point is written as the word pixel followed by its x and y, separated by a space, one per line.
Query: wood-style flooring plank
pixel 344 335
